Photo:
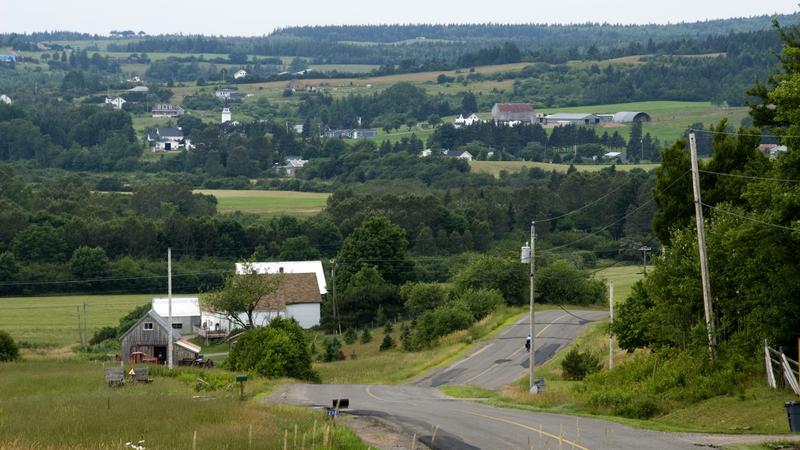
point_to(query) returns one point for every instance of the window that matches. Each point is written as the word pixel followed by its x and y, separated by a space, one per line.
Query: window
pixel 177 326
pixel 148 326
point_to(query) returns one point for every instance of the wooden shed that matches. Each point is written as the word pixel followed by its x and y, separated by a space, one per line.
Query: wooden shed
pixel 149 339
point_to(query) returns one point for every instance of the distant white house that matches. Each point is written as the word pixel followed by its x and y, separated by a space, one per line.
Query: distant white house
pixel 167 139
pixel 134 80
pixel 462 121
pixel 185 312
pixel 5 99
pixel 457 154
pixel 226 115
pixel 116 102
pixel 292 164
pixel 167 110
pixel 611 156
pixel 241 73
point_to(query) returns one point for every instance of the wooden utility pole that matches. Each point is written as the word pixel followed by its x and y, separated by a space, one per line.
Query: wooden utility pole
pixel 169 300
pixel 701 245
pixel 337 325
pixel 85 327
pixel 534 388
pixel 80 329
pixel 611 321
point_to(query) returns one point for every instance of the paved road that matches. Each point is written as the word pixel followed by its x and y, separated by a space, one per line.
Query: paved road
pixel 463 425
pixel 504 359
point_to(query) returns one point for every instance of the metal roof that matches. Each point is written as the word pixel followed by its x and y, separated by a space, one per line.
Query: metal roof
pixel 630 116
pixel 181 306
pixel 570 116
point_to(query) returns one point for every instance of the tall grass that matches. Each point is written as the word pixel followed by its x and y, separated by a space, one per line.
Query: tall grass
pixel 65 404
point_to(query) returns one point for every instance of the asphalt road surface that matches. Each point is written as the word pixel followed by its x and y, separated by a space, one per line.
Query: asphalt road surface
pixel 504 359
pixel 446 423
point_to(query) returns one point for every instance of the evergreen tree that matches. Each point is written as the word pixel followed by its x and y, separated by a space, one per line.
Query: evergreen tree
pixel 635 142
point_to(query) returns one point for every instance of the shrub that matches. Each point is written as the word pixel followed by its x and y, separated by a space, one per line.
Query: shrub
pixel 333 349
pixel 488 272
pixel 421 297
pixel 366 336
pixel 387 343
pixel 441 321
pixel 561 283
pixel 350 336
pixel 481 302
pixel 576 364
pixel 388 327
pixel 105 333
pixel 8 349
pixel 277 350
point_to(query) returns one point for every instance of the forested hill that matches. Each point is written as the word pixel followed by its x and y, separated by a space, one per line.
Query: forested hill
pixel 542 34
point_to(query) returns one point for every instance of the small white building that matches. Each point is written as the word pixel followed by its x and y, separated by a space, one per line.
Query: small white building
pixel 167 110
pixel 458 154
pixel 185 312
pixel 5 99
pixel 167 139
pixel 241 73
pixel 612 156
pixel 116 102
pixel 226 115
pixel 462 121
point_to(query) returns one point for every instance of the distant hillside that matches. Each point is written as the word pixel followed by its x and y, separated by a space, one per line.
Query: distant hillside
pixel 542 34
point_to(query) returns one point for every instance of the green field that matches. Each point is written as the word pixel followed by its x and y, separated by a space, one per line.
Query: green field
pixel 495 167
pixel 52 321
pixel 59 404
pixel 623 278
pixel 268 203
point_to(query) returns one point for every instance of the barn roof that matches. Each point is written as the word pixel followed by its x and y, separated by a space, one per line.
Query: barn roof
pixel 157 319
pixel 314 267
pixel 514 107
pixel 630 116
pixel 181 306
pixel 294 288
pixel 570 116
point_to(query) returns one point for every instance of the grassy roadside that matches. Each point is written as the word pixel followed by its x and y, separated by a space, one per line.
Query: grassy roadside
pixel 366 364
pixel 80 411
pixel 756 409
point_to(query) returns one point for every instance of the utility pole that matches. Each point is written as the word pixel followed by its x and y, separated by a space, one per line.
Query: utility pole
pixel 644 249
pixel 80 329
pixel 85 329
pixel 611 321
pixel 335 309
pixel 701 245
pixel 528 255
pixel 169 301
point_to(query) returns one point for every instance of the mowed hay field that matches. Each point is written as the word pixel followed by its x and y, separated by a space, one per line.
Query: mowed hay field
pixel 59 404
pixel 268 203
pixel 623 278
pixel 52 321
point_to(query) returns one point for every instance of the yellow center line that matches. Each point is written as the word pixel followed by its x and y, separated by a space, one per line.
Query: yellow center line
pixel 515 353
pixel 521 425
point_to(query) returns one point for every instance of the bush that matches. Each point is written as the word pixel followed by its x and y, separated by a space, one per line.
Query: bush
pixel 489 272
pixel 103 334
pixel 440 322
pixel 481 302
pixel 350 336
pixel 366 336
pixel 387 343
pixel 8 349
pixel 388 327
pixel 577 365
pixel 278 350
pixel 333 350
pixel 421 297
pixel 561 283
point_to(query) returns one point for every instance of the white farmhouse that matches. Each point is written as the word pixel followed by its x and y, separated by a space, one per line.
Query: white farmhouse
pixel 241 73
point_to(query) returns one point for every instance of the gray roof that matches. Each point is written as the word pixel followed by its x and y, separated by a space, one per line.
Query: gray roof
pixel 169 132
pixel 570 116
pixel 157 319
pixel 630 116
pixel 139 89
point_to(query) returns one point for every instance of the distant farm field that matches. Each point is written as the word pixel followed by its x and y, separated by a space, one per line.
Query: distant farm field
pixel 53 322
pixel 495 167
pixel 623 278
pixel 268 203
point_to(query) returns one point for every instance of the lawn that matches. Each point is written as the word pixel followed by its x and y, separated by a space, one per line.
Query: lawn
pixel 50 404
pixel 623 278
pixel 495 167
pixel 52 321
pixel 268 203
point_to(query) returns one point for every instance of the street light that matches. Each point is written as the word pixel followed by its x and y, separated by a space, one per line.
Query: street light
pixel 528 255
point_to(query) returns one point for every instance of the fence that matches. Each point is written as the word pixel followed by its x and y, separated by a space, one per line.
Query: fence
pixel 788 369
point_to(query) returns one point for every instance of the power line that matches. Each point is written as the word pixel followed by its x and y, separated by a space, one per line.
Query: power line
pixel 736 133
pixel 751 219
pixel 749 177
pixel 594 202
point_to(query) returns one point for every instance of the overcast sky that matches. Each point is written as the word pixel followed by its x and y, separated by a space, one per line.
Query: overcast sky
pixel 237 17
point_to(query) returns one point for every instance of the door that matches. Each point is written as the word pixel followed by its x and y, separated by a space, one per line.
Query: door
pixel 160 352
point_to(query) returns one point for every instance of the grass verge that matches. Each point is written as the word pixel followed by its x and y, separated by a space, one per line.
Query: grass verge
pixel 53 404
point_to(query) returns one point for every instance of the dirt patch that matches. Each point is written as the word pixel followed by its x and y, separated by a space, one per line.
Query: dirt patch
pixel 381 434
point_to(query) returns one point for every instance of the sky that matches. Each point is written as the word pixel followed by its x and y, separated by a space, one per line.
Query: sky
pixel 253 18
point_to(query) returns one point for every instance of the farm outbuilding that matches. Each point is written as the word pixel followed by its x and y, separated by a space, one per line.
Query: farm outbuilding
pixel 513 112
pixel 149 339
pixel 571 118
pixel 631 116
pixel 185 312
